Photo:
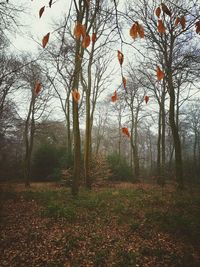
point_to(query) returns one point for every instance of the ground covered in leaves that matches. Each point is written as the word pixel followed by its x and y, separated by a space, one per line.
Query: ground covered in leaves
pixel 136 226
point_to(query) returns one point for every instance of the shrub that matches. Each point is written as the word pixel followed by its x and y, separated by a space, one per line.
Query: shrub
pixel 120 168
pixel 48 161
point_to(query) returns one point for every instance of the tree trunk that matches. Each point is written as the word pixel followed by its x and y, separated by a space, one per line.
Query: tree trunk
pixel 175 134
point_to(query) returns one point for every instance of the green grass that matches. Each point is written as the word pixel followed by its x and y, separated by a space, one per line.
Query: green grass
pixel 174 213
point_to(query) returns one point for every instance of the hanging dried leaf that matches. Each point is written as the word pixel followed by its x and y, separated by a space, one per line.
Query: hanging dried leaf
pixel 136 30
pixel 38 87
pixel 86 41
pixel 124 82
pixel 114 97
pixel 160 74
pixel 166 10
pixel 177 21
pixel 41 11
pixel 50 3
pixel 120 57
pixel 197 24
pixel 45 40
pixel 79 30
pixel 158 12
pixel 146 98
pixel 161 27
pixel 76 95
pixel 183 22
pixel 126 131
pixel 94 37
pixel 140 30
pixel 133 31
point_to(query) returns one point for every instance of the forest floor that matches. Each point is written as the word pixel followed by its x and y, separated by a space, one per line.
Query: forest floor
pixel 125 225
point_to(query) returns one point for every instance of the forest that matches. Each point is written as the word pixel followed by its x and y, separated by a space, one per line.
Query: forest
pixel 100 133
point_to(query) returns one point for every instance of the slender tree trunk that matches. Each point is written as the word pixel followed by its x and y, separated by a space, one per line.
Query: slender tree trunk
pixel 175 133
pixel 159 143
pixel 76 130
pixel 69 141
pixel 87 155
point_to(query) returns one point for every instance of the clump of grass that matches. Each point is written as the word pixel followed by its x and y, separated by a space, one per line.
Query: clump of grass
pixel 57 211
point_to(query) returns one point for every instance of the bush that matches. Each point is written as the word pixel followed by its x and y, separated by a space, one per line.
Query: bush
pixel 120 168
pixel 48 161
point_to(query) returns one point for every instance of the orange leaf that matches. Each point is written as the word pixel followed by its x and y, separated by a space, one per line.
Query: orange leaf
pixel 86 41
pixel 158 11
pixel 140 30
pixel 125 131
pixel 120 57
pixel 124 82
pixel 160 74
pixel 133 31
pixel 146 98
pixel 94 37
pixel 76 95
pixel 183 22
pixel 161 27
pixel 177 21
pixel 50 3
pixel 197 24
pixel 41 11
pixel 45 40
pixel 78 29
pixel 114 97
pixel 38 87
pixel 166 10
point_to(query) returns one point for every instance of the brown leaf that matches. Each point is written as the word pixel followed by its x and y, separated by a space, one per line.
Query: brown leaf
pixel 114 97
pixel 161 27
pixel 76 95
pixel 120 57
pixel 126 131
pixel 160 74
pixel 124 82
pixel 197 24
pixel 45 40
pixel 177 21
pixel 94 37
pixel 146 98
pixel 41 11
pixel 158 12
pixel 38 87
pixel 166 10
pixel 86 41
pixel 133 31
pixel 78 30
pixel 183 22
